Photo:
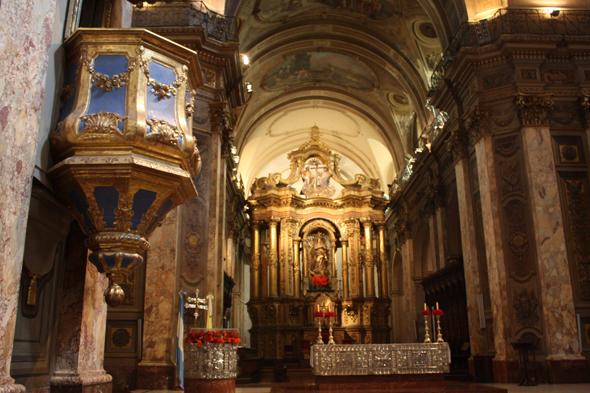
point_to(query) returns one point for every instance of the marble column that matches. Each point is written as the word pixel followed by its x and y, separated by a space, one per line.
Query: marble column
pixel 27 25
pixel 468 243
pixel 273 258
pixel 505 362
pixel 79 353
pixel 297 267
pixel 255 263
pixel 345 288
pixel 383 276
pixel 409 286
pixel 156 369
pixel 369 263
pixel 564 360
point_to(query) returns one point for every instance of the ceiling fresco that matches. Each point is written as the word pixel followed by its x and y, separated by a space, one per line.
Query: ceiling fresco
pixel 325 67
pixel 373 9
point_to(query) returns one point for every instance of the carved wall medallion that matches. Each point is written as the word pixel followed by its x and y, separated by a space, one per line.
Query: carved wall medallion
pixel 569 154
pixel 164 132
pixel 558 77
pixel 497 80
pixel 564 113
pixel 99 124
pixel 526 306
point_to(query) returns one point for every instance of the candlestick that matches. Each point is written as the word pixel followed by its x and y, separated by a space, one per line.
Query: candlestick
pixel 439 335
pixel 426 334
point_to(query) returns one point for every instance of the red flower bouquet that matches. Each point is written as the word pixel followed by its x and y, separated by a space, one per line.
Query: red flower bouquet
pixel 330 314
pixel 320 281
pixel 426 312
pixel 213 336
pixel 437 312
pixel 318 314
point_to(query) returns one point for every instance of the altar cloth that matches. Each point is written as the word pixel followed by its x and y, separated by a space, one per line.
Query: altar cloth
pixel 380 359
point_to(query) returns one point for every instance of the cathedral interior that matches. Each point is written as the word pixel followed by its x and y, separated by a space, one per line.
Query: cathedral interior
pixel 372 158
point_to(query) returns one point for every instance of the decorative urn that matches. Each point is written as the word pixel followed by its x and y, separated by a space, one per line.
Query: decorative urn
pixel 123 146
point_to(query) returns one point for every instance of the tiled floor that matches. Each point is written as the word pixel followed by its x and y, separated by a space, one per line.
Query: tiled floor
pixel 585 388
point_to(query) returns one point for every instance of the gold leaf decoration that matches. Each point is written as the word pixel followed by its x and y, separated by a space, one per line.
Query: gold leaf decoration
pixel 101 123
pixel 163 132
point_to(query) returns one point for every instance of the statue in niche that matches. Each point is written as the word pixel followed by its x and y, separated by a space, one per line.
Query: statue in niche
pixel 316 180
pixel 319 262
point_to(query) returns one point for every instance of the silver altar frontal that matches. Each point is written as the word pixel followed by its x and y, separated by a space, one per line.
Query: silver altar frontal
pixel 380 359
pixel 211 361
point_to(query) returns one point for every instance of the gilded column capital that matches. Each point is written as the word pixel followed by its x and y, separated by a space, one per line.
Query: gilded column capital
pixel 256 224
pixel 457 144
pixel 402 230
pixel 380 224
pixel 534 109
pixel 274 220
pixel 344 240
pixel 478 123
pixel 366 221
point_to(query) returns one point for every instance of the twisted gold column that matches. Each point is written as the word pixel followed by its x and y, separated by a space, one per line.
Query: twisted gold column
pixel 345 289
pixel 255 264
pixel 369 263
pixel 383 259
pixel 273 258
pixel 296 267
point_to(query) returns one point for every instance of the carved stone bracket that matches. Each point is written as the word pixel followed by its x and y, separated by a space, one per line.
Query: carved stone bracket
pixel 534 110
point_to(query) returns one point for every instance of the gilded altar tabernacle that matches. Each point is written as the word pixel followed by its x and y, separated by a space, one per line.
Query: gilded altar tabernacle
pixel 313 252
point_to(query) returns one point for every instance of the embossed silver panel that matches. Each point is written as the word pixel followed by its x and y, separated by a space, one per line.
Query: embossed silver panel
pixel 380 359
pixel 210 361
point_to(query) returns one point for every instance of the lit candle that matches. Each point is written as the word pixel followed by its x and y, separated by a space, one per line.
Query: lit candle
pixel 437 305
pixel 425 306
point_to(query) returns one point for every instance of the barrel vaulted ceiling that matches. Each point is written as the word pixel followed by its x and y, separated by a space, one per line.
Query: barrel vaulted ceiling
pixel 358 69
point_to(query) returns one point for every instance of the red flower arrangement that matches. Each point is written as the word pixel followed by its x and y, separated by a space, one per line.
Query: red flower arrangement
pixel 213 336
pixel 426 312
pixel 320 281
pixel 330 314
pixel 437 312
pixel 318 314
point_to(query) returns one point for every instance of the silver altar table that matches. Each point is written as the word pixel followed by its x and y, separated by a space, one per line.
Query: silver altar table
pixel 380 359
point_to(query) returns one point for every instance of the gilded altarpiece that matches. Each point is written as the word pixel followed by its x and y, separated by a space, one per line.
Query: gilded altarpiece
pixel 317 249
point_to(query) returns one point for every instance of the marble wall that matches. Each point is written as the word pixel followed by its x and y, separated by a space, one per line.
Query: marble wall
pixel 82 320
pixel 24 40
pixel 156 369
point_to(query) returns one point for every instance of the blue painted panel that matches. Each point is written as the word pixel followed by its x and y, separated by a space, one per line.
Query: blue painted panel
pixel 107 199
pixel 80 205
pixel 161 109
pixel 130 261
pixel 68 105
pixel 142 200
pixel 163 209
pixel 108 101
pixel 109 259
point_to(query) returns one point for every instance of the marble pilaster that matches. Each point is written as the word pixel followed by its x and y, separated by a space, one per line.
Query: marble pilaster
pixel 469 246
pixel 441 231
pixel 496 261
pixel 559 318
pixel 156 370
pixel 22 87
pixel 82 322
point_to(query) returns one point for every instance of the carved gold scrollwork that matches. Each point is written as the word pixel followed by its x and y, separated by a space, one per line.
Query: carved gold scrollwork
pixel 124 214
pixel 100 124
pixel 115 82
pixel 96 216
pixel 164 132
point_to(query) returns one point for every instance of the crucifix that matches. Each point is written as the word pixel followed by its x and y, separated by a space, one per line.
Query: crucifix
pixel 196 303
